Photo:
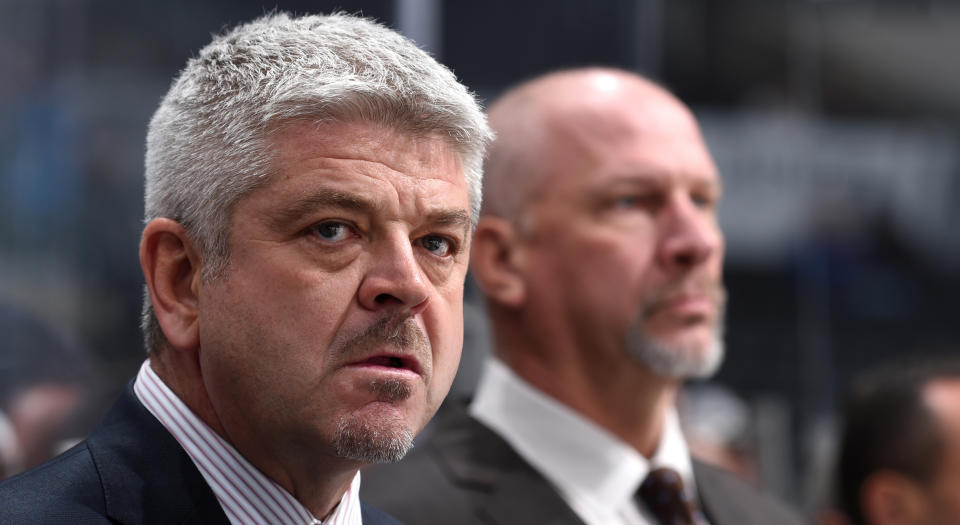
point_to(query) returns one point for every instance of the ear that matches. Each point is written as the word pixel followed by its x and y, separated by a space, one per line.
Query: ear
pixel 890 498
pixel 171 266
pixel 497 261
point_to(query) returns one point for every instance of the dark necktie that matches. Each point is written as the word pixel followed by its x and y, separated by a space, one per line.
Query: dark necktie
pixel 662 492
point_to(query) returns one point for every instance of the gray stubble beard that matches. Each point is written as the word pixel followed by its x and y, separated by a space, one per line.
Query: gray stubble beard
pixel 383 440
pixel 361 440
pixel 680 362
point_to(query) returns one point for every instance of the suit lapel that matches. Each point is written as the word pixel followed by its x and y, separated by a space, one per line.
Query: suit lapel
pixel 730 501
pixel 373 516
pixel 146 475
pixel 520 499
pixel 722 503
pixel 507 489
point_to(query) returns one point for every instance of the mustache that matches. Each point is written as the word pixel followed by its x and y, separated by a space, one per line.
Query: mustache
pixel 399 333
pixel 702 286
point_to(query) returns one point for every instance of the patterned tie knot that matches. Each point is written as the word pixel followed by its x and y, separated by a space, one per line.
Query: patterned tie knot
pixel 662 492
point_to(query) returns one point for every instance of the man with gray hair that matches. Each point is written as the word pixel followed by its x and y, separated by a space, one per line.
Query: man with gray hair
pixel 600 255
pixel 312 185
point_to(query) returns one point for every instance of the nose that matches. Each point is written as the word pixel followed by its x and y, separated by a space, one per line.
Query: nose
pixel 395 280
pixel 691 236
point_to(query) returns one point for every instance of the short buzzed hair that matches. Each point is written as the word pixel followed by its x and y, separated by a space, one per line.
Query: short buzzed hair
pixel 888 426
pixel 208 143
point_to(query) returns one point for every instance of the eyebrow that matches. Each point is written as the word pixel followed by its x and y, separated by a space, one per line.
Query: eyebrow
pixel 283 217
pixel 454 217
pixel 654 182
pixel 604 187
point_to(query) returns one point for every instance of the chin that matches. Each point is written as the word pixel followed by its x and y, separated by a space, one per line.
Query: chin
pixel 695 356
pixel 373 437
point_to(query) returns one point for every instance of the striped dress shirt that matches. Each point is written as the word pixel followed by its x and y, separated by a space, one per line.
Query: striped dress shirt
pixel 246 495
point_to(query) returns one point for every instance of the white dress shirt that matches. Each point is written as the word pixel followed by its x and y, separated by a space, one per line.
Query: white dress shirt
pixel 246 495
pixel 595 472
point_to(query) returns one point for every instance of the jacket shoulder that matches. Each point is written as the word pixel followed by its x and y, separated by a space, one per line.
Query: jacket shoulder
pixel 728 500
pixel 66 489
pixel 130 470
pixel 373 516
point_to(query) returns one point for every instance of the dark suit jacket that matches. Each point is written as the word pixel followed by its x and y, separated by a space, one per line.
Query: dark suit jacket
pixel 130 470
pixel 466 474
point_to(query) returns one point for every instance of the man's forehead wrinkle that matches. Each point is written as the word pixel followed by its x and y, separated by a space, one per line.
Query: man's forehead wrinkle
pixel 369 143
pixel 308 159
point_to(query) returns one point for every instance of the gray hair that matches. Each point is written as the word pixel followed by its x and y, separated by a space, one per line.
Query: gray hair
pixel 208 144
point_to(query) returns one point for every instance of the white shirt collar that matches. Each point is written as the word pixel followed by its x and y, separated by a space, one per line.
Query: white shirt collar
pixel 592 469
pixel 245 494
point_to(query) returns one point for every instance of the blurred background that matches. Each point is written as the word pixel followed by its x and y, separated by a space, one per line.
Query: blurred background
pixel 835 124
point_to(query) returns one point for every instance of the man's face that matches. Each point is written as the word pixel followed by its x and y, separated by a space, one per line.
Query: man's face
pixel 625 242
pixel 942 501
pixel 337 329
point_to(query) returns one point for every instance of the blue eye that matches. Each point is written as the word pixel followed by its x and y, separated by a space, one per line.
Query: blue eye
pixel 437 245
pixel 702 201
pixel 332 231
pixel 649 201
pixel 626 202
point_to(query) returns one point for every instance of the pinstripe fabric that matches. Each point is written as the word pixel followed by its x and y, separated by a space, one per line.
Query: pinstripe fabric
pixel 246 494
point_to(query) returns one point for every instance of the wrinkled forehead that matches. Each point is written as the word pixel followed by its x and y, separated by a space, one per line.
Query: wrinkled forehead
pixel 627 135
pixel 400 148
pixel 356 156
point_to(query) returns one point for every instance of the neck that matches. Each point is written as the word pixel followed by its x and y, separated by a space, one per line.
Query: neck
pixel 318 484
pixel 620 395
pixel 323 493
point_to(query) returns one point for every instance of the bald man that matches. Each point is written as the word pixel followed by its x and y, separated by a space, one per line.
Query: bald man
pixel 600 255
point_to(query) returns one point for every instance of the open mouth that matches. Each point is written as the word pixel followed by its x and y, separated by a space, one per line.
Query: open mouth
pixel 391 361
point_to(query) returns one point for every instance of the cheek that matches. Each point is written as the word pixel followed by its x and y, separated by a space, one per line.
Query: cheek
pixel 608 273
pixel 445 326
pixel 277 319
pixel 307 300
pixel 271 324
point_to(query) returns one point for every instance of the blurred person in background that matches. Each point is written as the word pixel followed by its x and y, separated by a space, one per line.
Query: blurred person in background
pixel 311 188
pixel 717 425
pixel 899 458
pixel 600 256
pixel 44 384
